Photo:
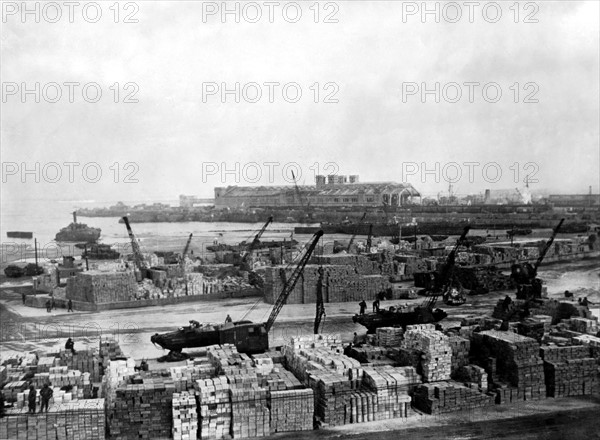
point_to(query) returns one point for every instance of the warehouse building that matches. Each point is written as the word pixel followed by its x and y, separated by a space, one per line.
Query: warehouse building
pixel 330 191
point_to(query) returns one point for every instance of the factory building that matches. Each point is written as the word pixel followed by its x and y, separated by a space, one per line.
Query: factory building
pixel 328 191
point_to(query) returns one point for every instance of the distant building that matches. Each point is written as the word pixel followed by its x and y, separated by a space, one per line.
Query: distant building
pixel 330 191
pixel 574 200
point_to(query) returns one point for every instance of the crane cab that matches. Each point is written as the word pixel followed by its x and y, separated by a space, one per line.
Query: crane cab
pixel 248 338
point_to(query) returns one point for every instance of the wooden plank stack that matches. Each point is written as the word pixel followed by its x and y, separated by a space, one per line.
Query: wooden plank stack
pixel 77 420
pixel 449 396
pixel 263 364
pixel 518 361
pixel 86 361
pixel 46 362
pixel 102 287
pixel 250 414
pixel 569 370
pixel 389 336
pixel 185 377
pixel 214 407
pixel 460 352
pixel 185 416
pixel 291 410
pixel 280 379
pixel 391 386
pixel 584 325
pixel 12 389
pixel 436 359
pixel 143 410
pixel 473 374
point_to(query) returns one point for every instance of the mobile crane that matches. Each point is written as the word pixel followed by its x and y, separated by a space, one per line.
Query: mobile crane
pixel 247 336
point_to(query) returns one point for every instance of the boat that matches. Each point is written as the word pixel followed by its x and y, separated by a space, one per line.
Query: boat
pixel 19 234
pixel 400 316
pixel 78 232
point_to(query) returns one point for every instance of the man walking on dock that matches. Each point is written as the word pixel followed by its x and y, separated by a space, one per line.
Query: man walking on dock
pixel 376 305
pixel 70 306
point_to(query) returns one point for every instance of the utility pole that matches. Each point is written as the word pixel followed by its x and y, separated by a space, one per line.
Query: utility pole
pixel 35 249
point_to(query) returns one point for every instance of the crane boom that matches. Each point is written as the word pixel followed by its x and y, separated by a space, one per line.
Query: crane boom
pixel 138 258
pixel 447 269
pixel 292 280
pixel 297 191
pixel 320 304
pixel 256 239
pixel 547 247
pixel 356 231
pixel 186 249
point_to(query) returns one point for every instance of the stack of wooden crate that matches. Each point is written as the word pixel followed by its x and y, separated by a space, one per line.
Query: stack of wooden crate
pixel 517 361
pixel 435 348
pixel 185 416
pixel 460 352
pixel 291 410
pixel 449 396
pixel 214 407
pixel 389 336
pixel 250 414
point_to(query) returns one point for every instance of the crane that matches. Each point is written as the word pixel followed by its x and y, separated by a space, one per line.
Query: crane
pixel 525 275
pixel 370 238
pixel 320 304
pixel 356 231
pixel 292 280
pixel 250 247
pixel 138 257
pixel 185 250
pixel 442 281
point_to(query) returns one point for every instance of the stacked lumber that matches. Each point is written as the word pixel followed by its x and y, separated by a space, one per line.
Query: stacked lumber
pixel 569 370
pixel 449 396
pixel 226 360
pixel 12 389
pixel 389 336
pixel 370 354
pixel 291 410
pixel 263 364
pixel 460 352
pixel 184 377
pixel 573 377
pixel 185 416
pixel 584 325
pixel 517 361
pixel 331 390
pixel 77 420
pixel 116 372
pixel 436 358
pixel 86 361
pixel 214 408
pixel 102 287
pixel 473 374
pixel 143 410
pixel 45 363
pixel 250 414
pixel 532 329
pixel 280 379
pixel 391 386
pixel 109 349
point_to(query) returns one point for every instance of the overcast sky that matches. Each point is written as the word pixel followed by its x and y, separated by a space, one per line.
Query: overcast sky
pixel 370 55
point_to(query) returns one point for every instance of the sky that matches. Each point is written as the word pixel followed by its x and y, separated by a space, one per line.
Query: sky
pixel 365 63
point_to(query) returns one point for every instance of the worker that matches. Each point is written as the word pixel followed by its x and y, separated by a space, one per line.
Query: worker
pixel 70 306
pixel 53 304
pixel 70 345
pixel 347 350
pixel 24 296
pixel 506 302
pixel 194 323
pixel 31 398
pixel 363 307
pixel 568 294
pixel 45 394
pixel 586 302
pixel 48 306
pixel 376 305
pixel 355 339
pixel 228 319
pixel 144 365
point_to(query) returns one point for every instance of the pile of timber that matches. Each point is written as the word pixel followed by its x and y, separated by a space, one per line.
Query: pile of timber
pixel 435 348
